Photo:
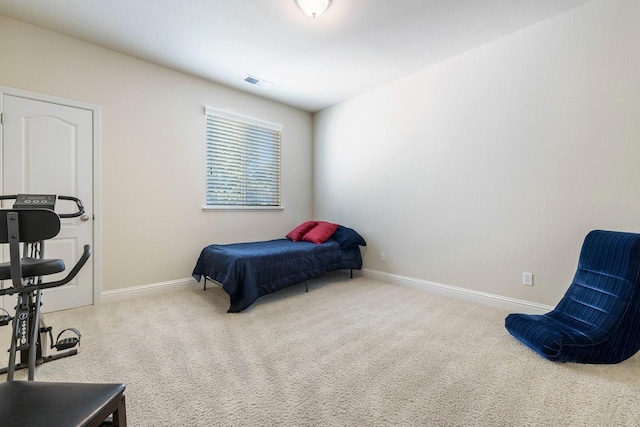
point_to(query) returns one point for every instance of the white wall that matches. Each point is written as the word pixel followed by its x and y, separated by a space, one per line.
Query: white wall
pixel 153 148
pixel 497 161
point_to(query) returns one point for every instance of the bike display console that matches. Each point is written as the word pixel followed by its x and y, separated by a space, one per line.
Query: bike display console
pixel 35 201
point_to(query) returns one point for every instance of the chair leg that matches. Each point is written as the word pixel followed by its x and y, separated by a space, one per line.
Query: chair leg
pixel 120 414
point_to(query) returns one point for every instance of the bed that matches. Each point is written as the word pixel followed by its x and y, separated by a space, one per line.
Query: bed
pixel 250 270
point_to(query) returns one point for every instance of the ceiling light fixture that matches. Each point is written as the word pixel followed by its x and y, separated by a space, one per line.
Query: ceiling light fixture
pixel 313 8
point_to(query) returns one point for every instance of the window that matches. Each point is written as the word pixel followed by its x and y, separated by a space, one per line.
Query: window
pixel 243 162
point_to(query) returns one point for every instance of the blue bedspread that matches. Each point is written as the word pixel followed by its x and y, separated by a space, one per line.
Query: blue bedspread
pixel 248 271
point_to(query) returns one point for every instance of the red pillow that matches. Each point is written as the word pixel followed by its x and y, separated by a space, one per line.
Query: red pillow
pixel 297 233
pixel 321 232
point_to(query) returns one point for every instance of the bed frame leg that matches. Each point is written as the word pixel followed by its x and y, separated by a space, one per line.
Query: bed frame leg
pixel 205 284
pixel 351 273
pixel 306 283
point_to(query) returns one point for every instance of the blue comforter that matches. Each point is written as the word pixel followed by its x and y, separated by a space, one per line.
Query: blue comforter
pixel 248 271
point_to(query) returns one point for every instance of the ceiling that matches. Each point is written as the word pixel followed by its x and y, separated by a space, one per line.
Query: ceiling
pixel 356 45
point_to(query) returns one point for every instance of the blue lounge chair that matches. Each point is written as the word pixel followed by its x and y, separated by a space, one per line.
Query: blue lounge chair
pixel 598 319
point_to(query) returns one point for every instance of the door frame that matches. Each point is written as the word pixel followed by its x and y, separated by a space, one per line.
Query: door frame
pixel 96 256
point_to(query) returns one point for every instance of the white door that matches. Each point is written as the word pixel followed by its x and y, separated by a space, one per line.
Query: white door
pixel 48 149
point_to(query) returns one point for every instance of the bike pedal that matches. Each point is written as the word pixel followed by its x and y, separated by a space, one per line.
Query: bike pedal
pixel 66 343
pixel 5 319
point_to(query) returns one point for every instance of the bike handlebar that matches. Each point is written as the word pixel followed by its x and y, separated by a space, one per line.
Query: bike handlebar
pixel 77 201
pixel 78 204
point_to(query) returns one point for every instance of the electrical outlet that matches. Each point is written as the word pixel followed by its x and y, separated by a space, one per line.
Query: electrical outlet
pixel 527 279
pixel 383 256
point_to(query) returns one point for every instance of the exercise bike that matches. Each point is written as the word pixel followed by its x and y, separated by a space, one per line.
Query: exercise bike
pixel 31 221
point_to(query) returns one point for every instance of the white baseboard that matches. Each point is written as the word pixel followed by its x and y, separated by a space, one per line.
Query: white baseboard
pixel 484 298
pixel 498 301
pixel 146 290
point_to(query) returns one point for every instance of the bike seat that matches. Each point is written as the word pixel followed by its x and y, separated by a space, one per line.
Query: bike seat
pixel 33 267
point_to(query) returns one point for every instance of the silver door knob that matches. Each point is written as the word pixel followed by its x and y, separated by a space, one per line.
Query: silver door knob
pixel 84 218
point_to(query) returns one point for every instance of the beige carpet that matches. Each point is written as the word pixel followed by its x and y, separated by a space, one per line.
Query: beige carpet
pixel 348 353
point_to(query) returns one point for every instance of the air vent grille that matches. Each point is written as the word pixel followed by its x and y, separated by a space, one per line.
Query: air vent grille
pixel 257 82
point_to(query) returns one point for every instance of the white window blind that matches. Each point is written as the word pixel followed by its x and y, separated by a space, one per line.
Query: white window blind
pixel 243 161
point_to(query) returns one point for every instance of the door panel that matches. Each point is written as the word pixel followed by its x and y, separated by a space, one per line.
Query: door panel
pixel 48 149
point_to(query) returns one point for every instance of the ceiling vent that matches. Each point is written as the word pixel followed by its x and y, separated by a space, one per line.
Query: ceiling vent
pixel 257 82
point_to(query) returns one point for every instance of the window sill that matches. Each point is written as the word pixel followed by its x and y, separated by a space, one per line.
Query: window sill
pixel 242 208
